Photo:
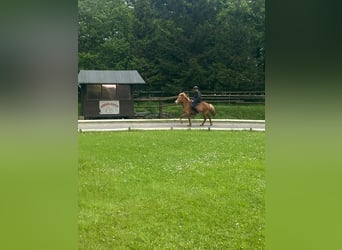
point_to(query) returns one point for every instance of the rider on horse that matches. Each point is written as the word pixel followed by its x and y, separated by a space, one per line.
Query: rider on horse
pixel 196 99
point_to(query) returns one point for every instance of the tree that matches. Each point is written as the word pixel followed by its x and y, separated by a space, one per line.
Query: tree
pixel 105 34
pixel 240 38
pixel 175 44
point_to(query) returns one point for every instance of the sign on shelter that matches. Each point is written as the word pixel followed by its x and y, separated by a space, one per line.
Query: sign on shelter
pixel 109 107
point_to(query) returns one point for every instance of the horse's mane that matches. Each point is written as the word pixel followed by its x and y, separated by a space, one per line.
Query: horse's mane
pixel 185 95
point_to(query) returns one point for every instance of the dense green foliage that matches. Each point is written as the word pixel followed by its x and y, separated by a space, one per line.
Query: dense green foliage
pixel 174 44
pixel 172 190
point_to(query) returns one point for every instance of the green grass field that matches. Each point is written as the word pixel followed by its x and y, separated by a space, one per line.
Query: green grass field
pixel 172 190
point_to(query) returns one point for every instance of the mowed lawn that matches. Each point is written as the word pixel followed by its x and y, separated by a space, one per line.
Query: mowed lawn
pixel 172 190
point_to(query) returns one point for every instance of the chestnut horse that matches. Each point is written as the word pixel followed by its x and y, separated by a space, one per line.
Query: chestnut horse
pixel 206 109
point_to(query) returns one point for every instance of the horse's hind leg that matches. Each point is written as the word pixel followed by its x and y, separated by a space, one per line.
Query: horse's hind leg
pixel 209 117
pixel 205 116
pixel 204 119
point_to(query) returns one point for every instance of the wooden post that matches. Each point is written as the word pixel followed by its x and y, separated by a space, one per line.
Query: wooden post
pixel 160 109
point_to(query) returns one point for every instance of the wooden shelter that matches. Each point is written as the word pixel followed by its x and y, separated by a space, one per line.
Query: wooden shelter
pixel 108 93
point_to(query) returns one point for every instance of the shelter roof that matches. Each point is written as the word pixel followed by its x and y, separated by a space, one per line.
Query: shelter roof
pixel 110 77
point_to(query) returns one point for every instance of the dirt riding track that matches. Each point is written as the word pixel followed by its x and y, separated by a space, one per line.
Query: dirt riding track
pixel 168 124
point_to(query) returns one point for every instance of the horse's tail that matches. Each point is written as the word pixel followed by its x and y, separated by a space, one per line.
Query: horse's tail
pixel 212 109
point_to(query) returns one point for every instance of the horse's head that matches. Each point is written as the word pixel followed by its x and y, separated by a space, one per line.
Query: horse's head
pixel 182 97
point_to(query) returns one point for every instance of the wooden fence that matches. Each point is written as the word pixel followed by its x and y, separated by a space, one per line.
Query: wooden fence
pixel 231 97
pixel 250 97
pixel 210 96
pixel 162 102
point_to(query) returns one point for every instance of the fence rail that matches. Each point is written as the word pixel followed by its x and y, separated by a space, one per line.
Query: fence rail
pixel 225 97
pixel 236 98
pixel 231 97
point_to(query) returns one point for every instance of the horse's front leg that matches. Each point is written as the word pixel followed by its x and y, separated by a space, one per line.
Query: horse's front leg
pixel 189 125
pixel 180 118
